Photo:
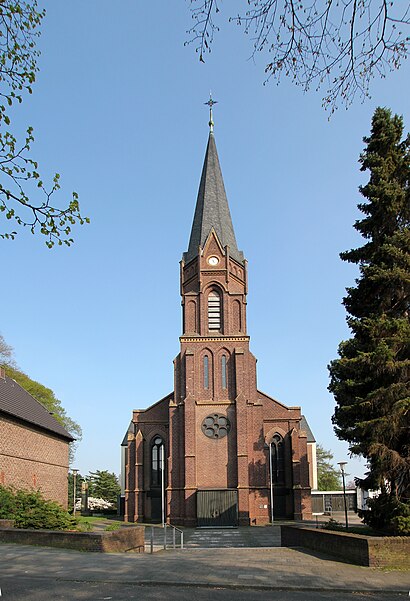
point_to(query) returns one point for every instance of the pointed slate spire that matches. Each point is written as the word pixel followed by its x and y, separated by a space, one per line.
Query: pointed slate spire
pixel 212 209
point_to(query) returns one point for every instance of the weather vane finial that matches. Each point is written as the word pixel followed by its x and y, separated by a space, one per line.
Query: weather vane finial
pixel 210 103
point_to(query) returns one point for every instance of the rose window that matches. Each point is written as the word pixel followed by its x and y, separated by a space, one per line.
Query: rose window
pixel 216 426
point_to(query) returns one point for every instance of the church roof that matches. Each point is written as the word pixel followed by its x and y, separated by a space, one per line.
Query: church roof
pixel 130 430
pixel 305 426
pixel 212 209
pixel 18 403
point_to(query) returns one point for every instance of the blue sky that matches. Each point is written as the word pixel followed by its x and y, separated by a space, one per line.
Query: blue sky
pixel 118 111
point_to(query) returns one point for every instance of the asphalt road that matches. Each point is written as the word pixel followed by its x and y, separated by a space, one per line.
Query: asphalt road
pixel 41 589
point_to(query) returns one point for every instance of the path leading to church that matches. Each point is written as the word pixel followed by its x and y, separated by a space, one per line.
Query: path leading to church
pixel 257 569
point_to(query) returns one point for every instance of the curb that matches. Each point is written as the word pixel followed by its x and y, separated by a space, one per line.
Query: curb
pixel 225 586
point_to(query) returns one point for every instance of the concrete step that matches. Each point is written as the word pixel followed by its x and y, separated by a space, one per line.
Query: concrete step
pixel 206 538
pixel 203 538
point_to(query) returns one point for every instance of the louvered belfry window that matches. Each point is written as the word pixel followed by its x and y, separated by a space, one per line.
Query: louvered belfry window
pixel 214 311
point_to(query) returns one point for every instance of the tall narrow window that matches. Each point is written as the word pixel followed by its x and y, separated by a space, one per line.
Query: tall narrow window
pixel 156 461
pixel 223 371
pixel 214 311
pixel 206 371
pixel 278 459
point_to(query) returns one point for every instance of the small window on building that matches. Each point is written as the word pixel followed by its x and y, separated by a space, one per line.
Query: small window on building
pixel 214 311
pixel 223 371
pixel 206 371
pixel 157 461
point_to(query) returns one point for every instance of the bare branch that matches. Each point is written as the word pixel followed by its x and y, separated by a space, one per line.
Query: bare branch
pixel 337 44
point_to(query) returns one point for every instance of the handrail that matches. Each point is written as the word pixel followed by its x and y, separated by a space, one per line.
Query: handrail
pixel 174 531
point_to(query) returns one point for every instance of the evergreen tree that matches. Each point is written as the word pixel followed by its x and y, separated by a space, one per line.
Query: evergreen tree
pixel 104 485
pixel 371 379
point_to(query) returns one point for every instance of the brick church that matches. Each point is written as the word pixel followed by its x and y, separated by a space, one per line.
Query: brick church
pixel 216 451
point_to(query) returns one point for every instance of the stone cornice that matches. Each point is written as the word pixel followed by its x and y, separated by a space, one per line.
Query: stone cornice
pixel 202 339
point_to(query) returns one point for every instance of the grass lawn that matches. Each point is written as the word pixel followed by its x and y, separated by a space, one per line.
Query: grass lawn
pixel 97 524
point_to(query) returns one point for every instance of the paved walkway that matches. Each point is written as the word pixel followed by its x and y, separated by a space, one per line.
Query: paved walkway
pixel 260 568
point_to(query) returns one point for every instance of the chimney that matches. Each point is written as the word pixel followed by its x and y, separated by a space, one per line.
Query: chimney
pixel 2 372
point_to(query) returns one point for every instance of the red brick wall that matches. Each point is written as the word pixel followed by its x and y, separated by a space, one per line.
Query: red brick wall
pixel 373 551
pixel 240 459
pixel 32 459
pixel 119 541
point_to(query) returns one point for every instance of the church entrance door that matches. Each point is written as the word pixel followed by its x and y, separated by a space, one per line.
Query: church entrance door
pixel 279 502
pixel 217 508
pixel 156 505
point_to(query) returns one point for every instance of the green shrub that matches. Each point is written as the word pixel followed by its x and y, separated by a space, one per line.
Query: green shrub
pixel 7 503
pixel 388 514
pixel 333 525
pixel 401 525
pixel 29 509
pixel 112 527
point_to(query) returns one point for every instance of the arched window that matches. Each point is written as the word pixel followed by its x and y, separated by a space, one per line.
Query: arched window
pixel 206 371
pixel 223 371
pixel 278 459
pixel 214 311
pixel 157 452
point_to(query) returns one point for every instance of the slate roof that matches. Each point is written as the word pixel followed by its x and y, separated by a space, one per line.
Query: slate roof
pixel 212 209
pixel 130 430
pixel 305 426
pixel 18 403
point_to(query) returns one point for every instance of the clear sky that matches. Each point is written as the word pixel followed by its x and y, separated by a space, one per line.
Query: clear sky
pixel 118 110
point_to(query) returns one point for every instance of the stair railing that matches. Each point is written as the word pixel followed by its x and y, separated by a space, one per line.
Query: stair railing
pixel 166 545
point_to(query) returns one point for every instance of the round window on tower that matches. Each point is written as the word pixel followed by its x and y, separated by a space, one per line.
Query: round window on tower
pixel 216 426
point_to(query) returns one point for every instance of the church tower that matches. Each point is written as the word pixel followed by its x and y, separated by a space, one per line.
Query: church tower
pixel 216 451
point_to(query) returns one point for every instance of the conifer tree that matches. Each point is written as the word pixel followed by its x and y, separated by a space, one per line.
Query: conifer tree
pixel 371 378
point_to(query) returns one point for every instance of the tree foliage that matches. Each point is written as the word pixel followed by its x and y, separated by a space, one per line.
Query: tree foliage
pixel 388 514
pixel 6 352
pixel 371 378
pixel 328 477
pixel 339 45
pixel 104 484
pixel 41 393
pixel 25 200
pixel 29 509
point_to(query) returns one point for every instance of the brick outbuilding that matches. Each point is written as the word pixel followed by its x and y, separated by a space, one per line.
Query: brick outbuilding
pixel 216 451
pixel 33 445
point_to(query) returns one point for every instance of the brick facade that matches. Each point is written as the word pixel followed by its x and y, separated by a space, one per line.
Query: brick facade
pixel 215 384
pixel 31 458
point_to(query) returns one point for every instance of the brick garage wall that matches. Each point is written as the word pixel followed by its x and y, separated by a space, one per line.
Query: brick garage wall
pixel 369 551
pixel 119 541
pixel 33 459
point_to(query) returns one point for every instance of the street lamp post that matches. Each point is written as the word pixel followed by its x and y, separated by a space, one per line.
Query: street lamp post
pixel 342 469
pixel 75 472
pixel 162 464
pixel 271 482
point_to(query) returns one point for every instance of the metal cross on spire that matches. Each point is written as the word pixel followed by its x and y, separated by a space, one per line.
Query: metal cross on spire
pixel 210 103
